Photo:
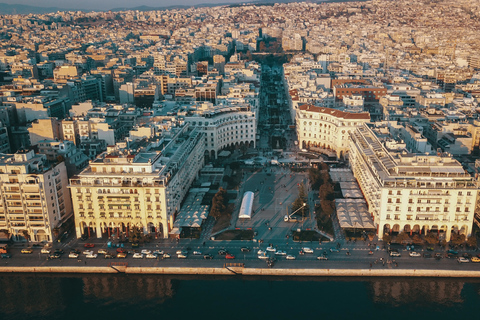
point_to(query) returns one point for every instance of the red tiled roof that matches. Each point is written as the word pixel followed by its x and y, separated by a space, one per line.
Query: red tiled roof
pixel 335 112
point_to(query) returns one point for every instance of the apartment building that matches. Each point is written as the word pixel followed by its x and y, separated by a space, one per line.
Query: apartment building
pixel 326 128
pixel 35 199
pixel 142 187
pixel 225 127
pixel 413 193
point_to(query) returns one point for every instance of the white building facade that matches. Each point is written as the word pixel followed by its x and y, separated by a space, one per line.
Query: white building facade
pixel 325 128
pixel 413 193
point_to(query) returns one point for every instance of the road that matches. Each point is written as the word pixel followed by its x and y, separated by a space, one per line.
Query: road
pixel 358 258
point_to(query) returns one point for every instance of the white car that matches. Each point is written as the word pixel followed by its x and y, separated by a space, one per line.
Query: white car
pixel 151 256
pixel 182 256
pixel 462 260
pixel 271 249
pixel 260 252
pixel 197 253
pixel 290 257
pixel 166 256
pixel 91 256
pixel 414 254
pixel 145 251
pixel 307 250
pixel 138 255
pixel 88 252
pixel 281 253
pixel 102 251
pixel 263 257
pixel 45 250
pixel 73 255
pixel 322 258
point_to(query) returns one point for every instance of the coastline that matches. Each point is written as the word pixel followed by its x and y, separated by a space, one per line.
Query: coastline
pixel 251 271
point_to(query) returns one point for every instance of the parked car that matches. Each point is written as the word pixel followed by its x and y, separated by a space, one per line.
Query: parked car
pixel 307 250
pixel 322 257
pixel 450 256
pixel 462 260
pixel 334 250
pixel 91 256
pixel 121 255
pixel 158 252
pixel 438 256
pixel 27 251
pixel 270 249
pixel 475 259
pixel 137 255
pixel 59 251
pixel 6 255
pixel 151 256
pixel 87 252
pixel 263 256
pixel 245 249
pixel 451 251
pixel 166 256
pixel 135 245
pixel 414 254
pixel 182 256
pixel 229 256
pixel 184 252
pixel 119 250
pixel 145 251
pixel 46 251
pixel 102 251
pixel 290 257
pixel 73 255
pixel 75 251
pixel 281 253
pixel 259 252
pixel 89 245
pixel 197 253
pixel 207 256
pixel 222 252
pixel 54 256
pixel 109 256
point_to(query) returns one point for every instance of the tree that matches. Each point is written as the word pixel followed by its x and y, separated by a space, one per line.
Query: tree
pixel 457 239
pixel 136 234
pixel 387 238
pixel 431 238
pixel 26 235
pixel 301 199
pixel 326 191
pixel 218 204
pixel 402 237
pixel 472 241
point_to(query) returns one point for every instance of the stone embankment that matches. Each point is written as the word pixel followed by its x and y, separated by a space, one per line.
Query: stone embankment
pixel 251 271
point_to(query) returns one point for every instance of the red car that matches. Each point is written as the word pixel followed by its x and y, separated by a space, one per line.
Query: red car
pixel 120 250
pixel 229 256
pixel 89 245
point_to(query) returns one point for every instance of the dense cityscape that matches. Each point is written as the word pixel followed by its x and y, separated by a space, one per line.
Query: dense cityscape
pixel 324 122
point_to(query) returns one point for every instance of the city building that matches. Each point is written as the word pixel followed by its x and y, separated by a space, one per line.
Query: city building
pixel 328 129
pixel 36 202
pixel 413 193
pixel 143 187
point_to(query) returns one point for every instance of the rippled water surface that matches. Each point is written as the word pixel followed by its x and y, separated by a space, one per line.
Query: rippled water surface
pixel 149 297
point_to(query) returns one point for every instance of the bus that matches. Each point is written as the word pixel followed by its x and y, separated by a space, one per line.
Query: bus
pixel 3 248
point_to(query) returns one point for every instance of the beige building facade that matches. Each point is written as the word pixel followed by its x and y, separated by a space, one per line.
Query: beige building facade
pixel 121 188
